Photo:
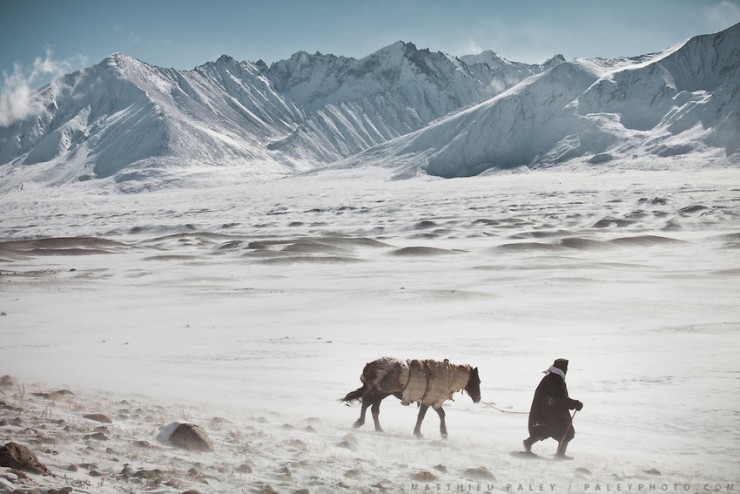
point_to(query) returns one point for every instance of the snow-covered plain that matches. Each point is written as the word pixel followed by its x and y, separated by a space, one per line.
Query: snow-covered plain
pixel 261 303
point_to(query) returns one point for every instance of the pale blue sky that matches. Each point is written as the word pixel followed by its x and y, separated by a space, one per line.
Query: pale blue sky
pixel 70 34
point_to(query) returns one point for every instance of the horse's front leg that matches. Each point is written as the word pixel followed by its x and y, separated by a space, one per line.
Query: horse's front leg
pixel 376 412
pixel 419 419
pixel 442 424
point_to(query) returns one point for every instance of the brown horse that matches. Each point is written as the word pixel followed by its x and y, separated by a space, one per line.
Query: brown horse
pixel 426 382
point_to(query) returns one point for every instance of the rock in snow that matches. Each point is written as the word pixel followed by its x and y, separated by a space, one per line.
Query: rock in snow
pixel 186 436
pixel 17 456
pixel 401 107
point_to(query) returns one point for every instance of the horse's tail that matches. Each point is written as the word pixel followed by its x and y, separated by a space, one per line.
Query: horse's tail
pixel 354 395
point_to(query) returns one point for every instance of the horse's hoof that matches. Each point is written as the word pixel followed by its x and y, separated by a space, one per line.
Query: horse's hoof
pixel 357 425
pixel 380 430
pixel 419 435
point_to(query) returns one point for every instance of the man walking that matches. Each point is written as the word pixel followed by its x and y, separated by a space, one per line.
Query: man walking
pixel 549 416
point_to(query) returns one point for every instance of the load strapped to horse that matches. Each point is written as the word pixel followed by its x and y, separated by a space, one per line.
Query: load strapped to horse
pixel 426 382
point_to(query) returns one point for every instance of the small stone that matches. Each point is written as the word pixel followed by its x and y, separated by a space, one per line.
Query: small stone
pixel 149 474
pixel 347 445
pixel 98 436
pixel 99 417
pixel 54 394
pixel 424 476
pixel 353 473
pixel 7 381
pixel 480 473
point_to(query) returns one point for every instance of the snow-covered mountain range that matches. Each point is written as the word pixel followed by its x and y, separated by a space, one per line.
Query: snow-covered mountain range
pixel 683 102
pixel 406 108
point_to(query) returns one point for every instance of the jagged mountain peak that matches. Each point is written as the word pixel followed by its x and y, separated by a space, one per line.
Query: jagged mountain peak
pixel 118 57
pixel 303 58
pixel 121 61
pixel 553 61
pixel 228 64
pixel 496 62
pixel 319 80
pixel 225 59
pixel 488 57
pixel 399 47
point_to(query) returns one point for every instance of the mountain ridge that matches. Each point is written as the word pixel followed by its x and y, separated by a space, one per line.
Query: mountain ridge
pixel 389 93
pixel 682 101
pixel 401 107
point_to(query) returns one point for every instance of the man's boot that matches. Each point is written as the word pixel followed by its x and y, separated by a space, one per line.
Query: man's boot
pixel 528 444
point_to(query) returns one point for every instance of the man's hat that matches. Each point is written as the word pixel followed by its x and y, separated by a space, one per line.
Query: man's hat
pixel 561 363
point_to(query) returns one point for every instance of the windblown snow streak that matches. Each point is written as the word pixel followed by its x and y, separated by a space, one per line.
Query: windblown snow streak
pixel 401 107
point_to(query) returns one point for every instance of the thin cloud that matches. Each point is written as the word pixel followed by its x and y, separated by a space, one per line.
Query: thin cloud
pixel 129 35
pixel 18 100
pixel 469 47
pixel 721 14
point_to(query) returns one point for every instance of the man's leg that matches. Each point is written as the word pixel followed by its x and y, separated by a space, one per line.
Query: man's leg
pixel 535 435
pixel 563 444
pixel 529 442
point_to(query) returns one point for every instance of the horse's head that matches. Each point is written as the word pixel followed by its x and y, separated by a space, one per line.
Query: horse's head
pixel 473 386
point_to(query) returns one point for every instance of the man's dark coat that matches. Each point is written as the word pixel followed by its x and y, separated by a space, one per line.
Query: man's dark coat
pixel 549 415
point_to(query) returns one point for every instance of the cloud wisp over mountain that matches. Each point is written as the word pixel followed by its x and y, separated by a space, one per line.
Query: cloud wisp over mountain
pixel 18 99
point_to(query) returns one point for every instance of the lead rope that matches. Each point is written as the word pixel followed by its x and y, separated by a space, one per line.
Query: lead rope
pixel 503 411
pixel 407 381
pixel 428 376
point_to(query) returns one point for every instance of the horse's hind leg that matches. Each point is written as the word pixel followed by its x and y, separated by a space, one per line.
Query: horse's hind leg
pixel 442 424
pixel 376 411
pixel 419 419
pixel 367 400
